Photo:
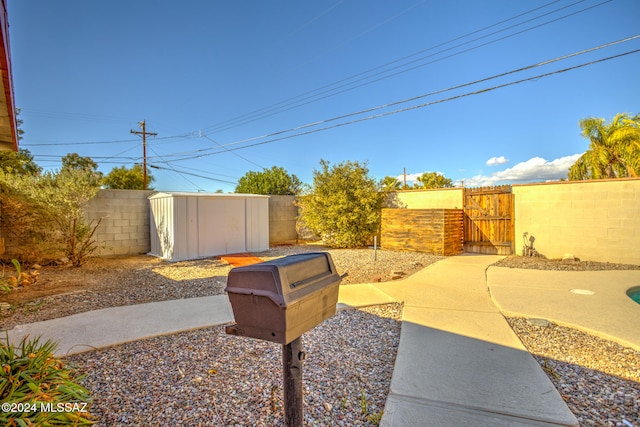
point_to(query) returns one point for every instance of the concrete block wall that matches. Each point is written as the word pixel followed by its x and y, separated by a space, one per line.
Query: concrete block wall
pixel 283 215
pixel 124 229
pixel 125 226
pixel 597 220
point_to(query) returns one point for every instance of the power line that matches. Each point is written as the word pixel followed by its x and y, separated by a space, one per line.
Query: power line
pixel 347 84
pixel 174 170
pixel 193 174
pixel 309 99
pixel 118 141
pixel 209 172
pixel 203 152
pixel 233 152
pixel 400 110
pixel 103 159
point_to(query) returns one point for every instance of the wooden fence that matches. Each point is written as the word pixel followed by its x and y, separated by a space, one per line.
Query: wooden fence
pixel 488 220
pixel 434 231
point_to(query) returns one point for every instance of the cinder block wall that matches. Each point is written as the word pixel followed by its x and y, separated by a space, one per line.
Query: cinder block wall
pixel 597 220
pixel 445 198
pixel 124 229
pixel 283 214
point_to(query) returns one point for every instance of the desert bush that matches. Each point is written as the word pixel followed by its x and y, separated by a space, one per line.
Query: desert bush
pixel 343 206
pixel 45 213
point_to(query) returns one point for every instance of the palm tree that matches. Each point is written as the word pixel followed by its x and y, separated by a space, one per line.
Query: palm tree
pixel 434 180
pixel 614 149
pixel 390 183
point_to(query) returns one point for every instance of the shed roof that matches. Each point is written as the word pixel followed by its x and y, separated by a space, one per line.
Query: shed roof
pixel 162 194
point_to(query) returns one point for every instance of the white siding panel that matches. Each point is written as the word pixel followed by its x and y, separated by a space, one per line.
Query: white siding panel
pixel 257 224
pixel 193 225
pixel 222 229
pixel 189 226
pixel 162 227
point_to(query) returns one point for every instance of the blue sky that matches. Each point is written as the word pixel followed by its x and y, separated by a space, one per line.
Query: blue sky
pixel 221 82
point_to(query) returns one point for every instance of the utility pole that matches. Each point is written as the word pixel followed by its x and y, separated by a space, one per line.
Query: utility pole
pixel 144 133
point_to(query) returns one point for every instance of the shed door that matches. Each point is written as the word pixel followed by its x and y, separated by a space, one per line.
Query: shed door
pixel 222 226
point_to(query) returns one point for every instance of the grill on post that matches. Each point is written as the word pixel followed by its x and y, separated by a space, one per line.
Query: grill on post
pixel 280 300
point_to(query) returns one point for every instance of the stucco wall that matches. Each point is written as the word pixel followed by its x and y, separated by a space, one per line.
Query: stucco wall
pixel 597 220
pixel 446 198
pixel 593 220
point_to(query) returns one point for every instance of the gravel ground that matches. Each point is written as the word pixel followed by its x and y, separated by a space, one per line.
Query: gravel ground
pixel 208 378
pixel 114 282
pixel 598 379
pixel 537 263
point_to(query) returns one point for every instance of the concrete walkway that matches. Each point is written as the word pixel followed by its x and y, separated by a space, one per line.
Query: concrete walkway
pixel 594 301
pixel 117 325
pixel 458 363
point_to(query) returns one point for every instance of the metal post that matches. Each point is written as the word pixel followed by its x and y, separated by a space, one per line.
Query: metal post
pixel 292 358
pixel 375 248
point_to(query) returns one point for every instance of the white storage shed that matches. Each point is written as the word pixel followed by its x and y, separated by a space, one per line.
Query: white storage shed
pixel 199 225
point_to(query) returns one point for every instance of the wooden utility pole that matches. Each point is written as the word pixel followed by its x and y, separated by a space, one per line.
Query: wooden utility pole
pixel 144 133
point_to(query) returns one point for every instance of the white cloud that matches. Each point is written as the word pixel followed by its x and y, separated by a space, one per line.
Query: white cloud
pixel 534 169
pixel 497 161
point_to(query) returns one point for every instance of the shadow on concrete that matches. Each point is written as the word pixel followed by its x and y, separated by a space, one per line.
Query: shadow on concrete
pixel 443 378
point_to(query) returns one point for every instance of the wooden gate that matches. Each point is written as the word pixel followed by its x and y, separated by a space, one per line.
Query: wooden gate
pixel 488 220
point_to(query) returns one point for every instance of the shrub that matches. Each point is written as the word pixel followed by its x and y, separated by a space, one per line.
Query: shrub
pixel 33 378
pixel 343 206
pixel 46 213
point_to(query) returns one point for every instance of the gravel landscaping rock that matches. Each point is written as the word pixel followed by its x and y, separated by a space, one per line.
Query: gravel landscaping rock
pixel 598 379
pixel 208 378
pixel 120 281
pixel 538 263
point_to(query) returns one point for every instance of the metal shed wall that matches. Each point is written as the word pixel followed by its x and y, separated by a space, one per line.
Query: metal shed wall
pixel 189 226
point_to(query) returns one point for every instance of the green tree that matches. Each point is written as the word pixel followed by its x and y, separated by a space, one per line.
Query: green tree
pixel 19 124
pixel 18 163
pixel 434 180
pixel 343 205
pixel 121 178
pixel 614 148
pixel 76 161
pixel 270 181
